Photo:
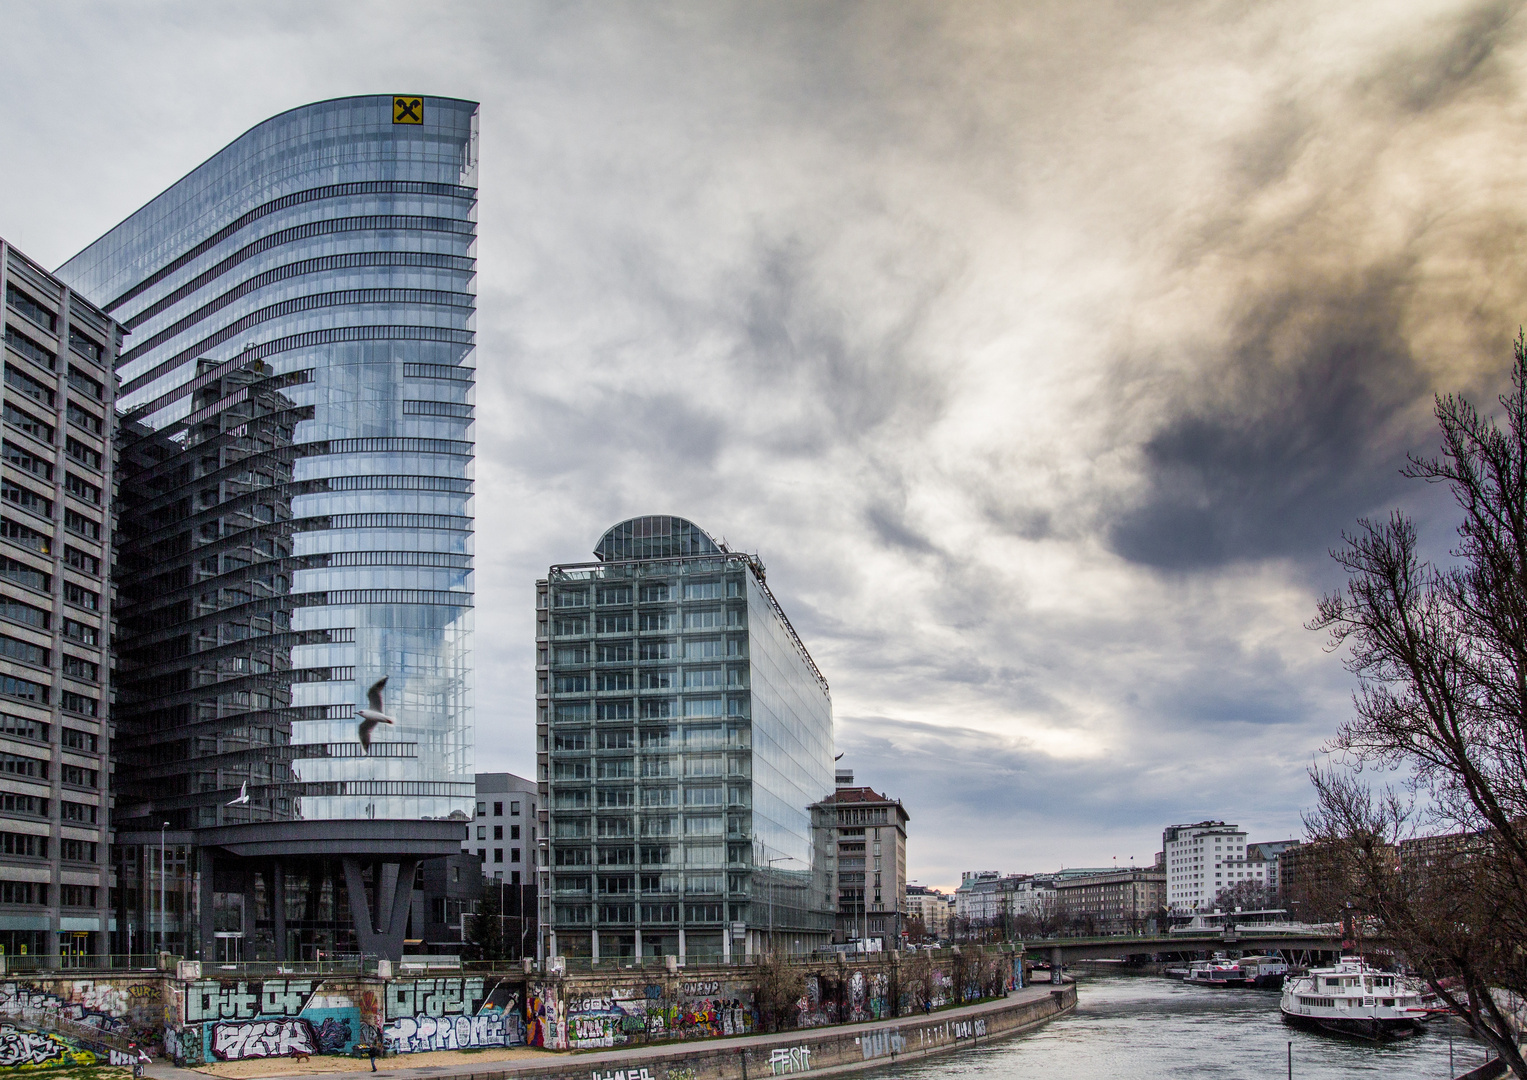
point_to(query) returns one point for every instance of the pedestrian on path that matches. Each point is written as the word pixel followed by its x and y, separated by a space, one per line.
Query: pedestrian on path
pixel 371 1050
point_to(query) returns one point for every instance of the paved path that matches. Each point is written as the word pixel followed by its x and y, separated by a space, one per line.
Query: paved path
pixel 394 1068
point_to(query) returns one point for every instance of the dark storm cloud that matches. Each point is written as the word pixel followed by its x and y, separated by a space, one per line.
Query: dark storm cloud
pixel 1314 424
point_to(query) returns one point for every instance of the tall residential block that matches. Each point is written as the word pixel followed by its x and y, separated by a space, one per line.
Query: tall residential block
pixel 684 734
pixel 55 615
pixel 1204 859
pixel 866 837
pixel 295 527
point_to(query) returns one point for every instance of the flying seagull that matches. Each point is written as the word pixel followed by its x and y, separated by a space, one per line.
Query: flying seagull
pixel 243 797
pixel 373 716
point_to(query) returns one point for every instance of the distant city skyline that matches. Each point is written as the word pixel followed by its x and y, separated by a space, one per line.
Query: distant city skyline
pixel 1041 353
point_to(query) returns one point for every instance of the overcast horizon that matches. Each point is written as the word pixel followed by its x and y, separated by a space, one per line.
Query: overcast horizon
pixel 1041 351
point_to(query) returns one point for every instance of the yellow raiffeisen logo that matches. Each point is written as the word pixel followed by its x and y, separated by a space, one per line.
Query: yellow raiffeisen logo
pixel 407 110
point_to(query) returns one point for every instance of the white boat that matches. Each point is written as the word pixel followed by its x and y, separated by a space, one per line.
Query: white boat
pixel 1264 972
pixel 1216 972
pixel 1353 998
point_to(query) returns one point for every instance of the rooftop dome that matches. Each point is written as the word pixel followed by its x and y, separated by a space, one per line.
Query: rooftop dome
pixel 657 536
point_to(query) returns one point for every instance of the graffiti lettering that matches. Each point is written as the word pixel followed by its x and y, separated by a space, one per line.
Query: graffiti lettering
pixel 880 1043
pixel 97 1005
pixel 680 1072
pixel 789 1059
pixel 263 1039
pixel 417 1034
pixel 434 997
pixel 21 1049
pixel 245 1001
pixel 627 1074
pixel 700 989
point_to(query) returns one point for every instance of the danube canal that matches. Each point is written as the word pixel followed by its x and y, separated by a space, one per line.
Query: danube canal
pixel 1148 1027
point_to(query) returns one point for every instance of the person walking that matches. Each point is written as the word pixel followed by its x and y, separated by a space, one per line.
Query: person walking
pixel 371 1051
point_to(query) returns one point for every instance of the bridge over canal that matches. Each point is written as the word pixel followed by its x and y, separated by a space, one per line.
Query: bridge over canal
pixel 1301 947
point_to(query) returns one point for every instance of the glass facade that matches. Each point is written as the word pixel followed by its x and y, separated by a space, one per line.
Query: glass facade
pixel 296 467
pixel 296 516
pixel 683 734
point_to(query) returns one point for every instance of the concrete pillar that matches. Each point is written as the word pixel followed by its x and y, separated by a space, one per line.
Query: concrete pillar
pixel 278 908
pixel 594 951
pixel 681 944
pixel 551 948
pixel 726 943
pixel 1056 964
pixel 638 943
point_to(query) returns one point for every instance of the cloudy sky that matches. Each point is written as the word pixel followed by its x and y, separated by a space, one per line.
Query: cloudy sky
pixel 1041 350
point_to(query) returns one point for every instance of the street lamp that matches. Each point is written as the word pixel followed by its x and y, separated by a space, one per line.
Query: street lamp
pixel 771 862
pixel 163 915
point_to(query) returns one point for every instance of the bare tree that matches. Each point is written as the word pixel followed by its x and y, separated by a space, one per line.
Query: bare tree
pixel 778 986
pixel 1250 895
pixel 1440 862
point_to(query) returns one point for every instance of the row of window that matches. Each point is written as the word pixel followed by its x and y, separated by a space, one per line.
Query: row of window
pixel 624 652
pixel 660 679
pixel 36 847
pixel 34 503
pixel 658 592
pixel 39 315
pixel 704 619
pixel 578 712
pixel 35 806
pixel 36 893
pixel 696 825
pixel 707 737
pixel 37 769
pixel 695 765
pixel 578 914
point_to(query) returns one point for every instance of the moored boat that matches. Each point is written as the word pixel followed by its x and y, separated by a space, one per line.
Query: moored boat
pixel 1216 972
pixel 1264 972
pixel 1353 998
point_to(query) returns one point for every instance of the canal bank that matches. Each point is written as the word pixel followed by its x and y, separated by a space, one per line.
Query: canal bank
pixel 819 1051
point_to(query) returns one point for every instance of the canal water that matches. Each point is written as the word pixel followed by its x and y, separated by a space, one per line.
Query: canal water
pixel 1149 1027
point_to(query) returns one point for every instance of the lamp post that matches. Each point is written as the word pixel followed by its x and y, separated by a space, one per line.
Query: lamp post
pixel 771 862
pixel 164 921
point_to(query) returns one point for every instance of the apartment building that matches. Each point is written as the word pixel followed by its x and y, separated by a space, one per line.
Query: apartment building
pixel 866 837
pixel 56 483
pixel 1204 859
pixel 1115 902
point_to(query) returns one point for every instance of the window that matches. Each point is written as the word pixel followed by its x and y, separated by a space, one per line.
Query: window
pixel 709 619
pixel 702 648
pixel 619 594
pixel 563 627
pixel 82 418
pixel 84 813
pixel 23 383
pixel 23 844
pixel 30 424
pixel 31 309
pixel 614 710
pixel 79 524
pixel 482 832
pixel 82 489
pixel 80 596
pixel 572 712
pixel 572 654
pixel 657 680
pixel 514 809
pixel 85 346
pixel 615 740
pixel 83 383
pixel 498 854
pixel 24 651
pixel 81 561
pixel 578 598
pixel 654 593
pixel 23 727
pixel 23 892
pixel 704 678
pixel 703 590
pixel 26 498
pixel 702 707
pixel 617 769
pixel 76 850
pixel 567 740
pixel 498 832
pixel 16 765
pixel 656 620
pixel 22 574
pixel 656 738
pixel 29 349
pixel 514 832
pixel 654 708
pixel 22 688
pixel 23 458
pixel 81 632
pixel 480 810
pixel 613 624
pixel 25 536
pixel 77 776
pixel 657 650
pixel 30 805
pixel 618 653
pixel 77 895
pixel 498 809
pixel 571 684
pixel 613 680
pixel 82 453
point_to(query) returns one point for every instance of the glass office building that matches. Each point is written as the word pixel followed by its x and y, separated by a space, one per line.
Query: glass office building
pixel 295 524
pixel 684 733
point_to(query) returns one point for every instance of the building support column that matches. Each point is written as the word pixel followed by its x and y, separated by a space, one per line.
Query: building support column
pixel 638 943
pixel 726 943
pixel 594 945
pixel 681 946
pixel 278 908
pixel 1056 966
pixel 380 925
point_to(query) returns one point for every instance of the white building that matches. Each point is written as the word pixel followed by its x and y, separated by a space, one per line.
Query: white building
pixel 1034 896
pixel 931 906
pixel 503 836
pixel 981 895
pixel 1204 859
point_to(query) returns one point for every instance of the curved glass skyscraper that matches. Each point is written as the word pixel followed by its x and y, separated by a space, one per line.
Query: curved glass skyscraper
pixel 295 515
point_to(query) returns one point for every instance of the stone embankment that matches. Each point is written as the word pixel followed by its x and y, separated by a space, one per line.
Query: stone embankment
pixel 817 1051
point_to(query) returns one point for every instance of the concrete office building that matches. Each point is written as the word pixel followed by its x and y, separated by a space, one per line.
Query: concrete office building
pixel 683 735
pixel 503 835
pixel 295 525
pixel 55 615
pixel 1117 902
pixel 866 838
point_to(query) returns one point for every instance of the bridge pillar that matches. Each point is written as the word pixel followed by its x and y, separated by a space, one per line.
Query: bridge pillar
pixel 1055 966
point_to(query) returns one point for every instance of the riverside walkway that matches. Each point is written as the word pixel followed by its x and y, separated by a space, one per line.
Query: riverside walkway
pixel 837 1048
